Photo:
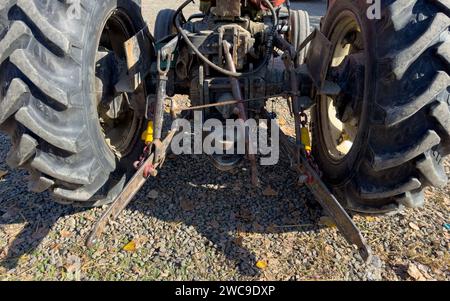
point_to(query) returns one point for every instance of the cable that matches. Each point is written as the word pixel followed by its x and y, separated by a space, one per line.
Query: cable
pixel 214 66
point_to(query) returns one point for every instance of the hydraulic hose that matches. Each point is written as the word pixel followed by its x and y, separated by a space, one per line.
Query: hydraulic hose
pixel 218 68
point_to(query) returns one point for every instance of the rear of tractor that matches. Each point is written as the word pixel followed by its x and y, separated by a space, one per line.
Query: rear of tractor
pixel 80 84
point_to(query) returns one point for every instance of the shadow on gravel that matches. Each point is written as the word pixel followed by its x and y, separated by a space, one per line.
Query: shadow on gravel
pixel 218 205
pixel 27 218
pixel 35 211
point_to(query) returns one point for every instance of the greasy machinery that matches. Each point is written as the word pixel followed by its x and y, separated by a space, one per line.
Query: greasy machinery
pixel 79 91
pixel 222 62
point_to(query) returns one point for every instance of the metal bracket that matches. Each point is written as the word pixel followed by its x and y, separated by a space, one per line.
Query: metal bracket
pixel 319 56
pixel 140 54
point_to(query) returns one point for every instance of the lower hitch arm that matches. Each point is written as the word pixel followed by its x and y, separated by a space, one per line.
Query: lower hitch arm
pixel 148 169
pixel 305 166
pixel 327 200
pixel 151 160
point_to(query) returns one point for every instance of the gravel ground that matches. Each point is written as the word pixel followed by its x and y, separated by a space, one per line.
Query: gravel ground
pixel 193 222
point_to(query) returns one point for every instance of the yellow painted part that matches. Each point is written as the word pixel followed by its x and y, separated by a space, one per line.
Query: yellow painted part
pixel 147 136
pixel 306 139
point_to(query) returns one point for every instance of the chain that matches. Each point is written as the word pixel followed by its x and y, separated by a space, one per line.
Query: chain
pixel 145 154
pixel 307 145
pixel 303 118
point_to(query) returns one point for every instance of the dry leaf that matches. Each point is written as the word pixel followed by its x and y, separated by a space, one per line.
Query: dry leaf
pixel 24 259
pixel 414 272
pixel 239 241
pixel 130 247
pixel 2 174
pixel 370 219
pixel 414 226
pixel 327 221
pixel 261 264
pixel 65 234
pixel 187 205
pixel 55 247
pixel 328 249
pixel 99 252
pixel 91 218
pixel 270 192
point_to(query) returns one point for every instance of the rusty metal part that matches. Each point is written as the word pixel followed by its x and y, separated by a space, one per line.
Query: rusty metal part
pixel 295 103
pixel 205 5
pixel 212 65
pixel 305 166
pixel 242 112
pixel 319 57
pixel 227 8
pixel 242 42
pixel 119 203
pixel 260 4
pixel 169 48
pixel 147 169
pixel 139 51
pixel 282 44
pixel 327 200
pixel 161 148
pixel 231 102
pixel 161 94
pixel 145 154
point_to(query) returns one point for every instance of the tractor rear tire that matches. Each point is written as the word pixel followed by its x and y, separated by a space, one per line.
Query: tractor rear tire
pixel 404 129
pixel 164 26
pixel 48 101
pixel 300 29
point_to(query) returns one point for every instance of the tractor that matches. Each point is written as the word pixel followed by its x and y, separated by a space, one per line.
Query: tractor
pixel 86 92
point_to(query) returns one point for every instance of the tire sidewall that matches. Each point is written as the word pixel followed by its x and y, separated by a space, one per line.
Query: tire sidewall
pixel 163 24
pixel 101 11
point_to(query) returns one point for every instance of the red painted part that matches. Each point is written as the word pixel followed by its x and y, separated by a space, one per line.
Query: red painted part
pixel 277 3
pixel 149 168
pixel 260 3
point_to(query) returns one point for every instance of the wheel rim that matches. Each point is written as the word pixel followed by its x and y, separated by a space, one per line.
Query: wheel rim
pixel 340 136
pixel 118 121
pixel 299 30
